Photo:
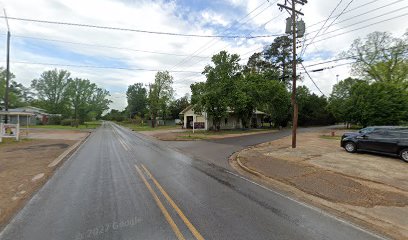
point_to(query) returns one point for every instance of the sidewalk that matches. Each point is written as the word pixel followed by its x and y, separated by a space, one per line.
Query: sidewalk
pixel 370 189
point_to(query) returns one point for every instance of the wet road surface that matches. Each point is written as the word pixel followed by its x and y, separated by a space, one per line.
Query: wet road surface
pixel 123 185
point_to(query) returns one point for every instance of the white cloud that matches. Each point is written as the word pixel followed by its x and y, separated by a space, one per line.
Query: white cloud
pixel 165 16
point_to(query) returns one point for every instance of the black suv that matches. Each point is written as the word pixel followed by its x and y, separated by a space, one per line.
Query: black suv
pixel 380 139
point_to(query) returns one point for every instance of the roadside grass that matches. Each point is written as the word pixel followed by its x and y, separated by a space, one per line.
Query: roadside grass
pixel 8 141
pixel 202 134
pixel 140 128
pixel 87 125
pixel 330 137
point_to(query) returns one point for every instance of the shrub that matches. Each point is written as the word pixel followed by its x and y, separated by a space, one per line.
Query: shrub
pixel 66 122
pixel 55 120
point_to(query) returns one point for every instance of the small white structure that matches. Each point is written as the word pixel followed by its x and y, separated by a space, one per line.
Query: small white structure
pixel 12 130
pixel 9 131
pixel 202 121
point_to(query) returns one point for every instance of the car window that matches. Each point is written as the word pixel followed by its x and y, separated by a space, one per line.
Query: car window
pixel 366 130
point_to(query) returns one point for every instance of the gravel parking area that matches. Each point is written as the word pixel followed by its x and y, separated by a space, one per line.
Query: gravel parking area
pixel 367 187
pixel 24 166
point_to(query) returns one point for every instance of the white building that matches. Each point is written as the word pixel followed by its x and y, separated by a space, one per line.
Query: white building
pixel 202 121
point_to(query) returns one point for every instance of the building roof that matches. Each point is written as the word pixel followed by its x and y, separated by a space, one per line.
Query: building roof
pixel 15 113
pixel 186 109
pixel 229 111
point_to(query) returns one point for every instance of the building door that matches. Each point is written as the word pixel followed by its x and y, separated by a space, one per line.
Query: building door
pixel 189 123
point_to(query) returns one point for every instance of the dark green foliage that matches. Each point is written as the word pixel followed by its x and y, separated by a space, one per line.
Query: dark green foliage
pixel 312 108
pixel 137 100
pixel 55 120
pixel 177 106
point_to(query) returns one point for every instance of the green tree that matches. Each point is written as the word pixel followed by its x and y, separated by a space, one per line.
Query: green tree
pixel 177 106
pixel 137 99
pixel 312 108
pixel 275 101
pixel 380 57
pixel 339 101
pixel 160 93
pixel 18 94
pixel 219 87
pixel 379 103
pixel 51 90
pixel 87 99
pixel 279 54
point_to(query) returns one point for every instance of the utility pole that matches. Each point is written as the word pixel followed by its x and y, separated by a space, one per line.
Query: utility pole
pixel 153 117
pixel 6 95
pixel 291 26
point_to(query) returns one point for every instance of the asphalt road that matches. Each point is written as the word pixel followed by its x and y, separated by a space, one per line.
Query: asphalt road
pixel 122 185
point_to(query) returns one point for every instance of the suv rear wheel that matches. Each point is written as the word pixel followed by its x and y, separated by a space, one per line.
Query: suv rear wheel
pixel 404 154
pixel 351 147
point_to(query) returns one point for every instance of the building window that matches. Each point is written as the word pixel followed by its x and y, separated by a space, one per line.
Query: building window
pixel 226 121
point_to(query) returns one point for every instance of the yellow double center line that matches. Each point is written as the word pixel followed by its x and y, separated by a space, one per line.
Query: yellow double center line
pixel 166 214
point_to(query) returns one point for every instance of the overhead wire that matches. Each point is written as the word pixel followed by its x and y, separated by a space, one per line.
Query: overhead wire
pixel 327 19
pixel 102 46
pixel 204 47
pixel 136 30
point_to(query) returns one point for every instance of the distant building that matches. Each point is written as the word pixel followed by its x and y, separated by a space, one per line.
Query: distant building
pixel 232 121
pixel 33 116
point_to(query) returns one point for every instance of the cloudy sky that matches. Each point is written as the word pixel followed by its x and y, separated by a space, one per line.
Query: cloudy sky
pixel 115 59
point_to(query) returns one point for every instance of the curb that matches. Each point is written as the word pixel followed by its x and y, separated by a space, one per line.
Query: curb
pixel 247 169
pixel 68 152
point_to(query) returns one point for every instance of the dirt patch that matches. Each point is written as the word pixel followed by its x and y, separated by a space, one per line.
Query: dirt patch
pixel 23 169
pixel 370 188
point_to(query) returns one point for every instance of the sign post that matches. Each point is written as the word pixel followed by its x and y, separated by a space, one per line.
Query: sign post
pixel 9 131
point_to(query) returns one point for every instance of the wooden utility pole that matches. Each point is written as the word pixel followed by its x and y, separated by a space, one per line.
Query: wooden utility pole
pixel 293 12
pixel 6 94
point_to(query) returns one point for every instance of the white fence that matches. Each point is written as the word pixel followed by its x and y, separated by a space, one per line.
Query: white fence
pixel 9 131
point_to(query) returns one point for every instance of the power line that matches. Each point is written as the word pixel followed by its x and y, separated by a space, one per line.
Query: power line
pixel 338 16
pixel 103 46
pixel 366 26
pixel 366 20
pixel 350 10
pixel 359 15
pixel 204 47
pixel 307 73
pixel 304 49
pixel 137 30
pixel 104 67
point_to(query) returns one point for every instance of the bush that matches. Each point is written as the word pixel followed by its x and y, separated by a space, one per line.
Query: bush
pixel 66 122
pixel 55 120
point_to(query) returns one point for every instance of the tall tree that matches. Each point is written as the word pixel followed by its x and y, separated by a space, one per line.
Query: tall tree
pixel 18 94
pixel 51 89
pixel 312 108
pixel 137 99
pixel 339 104
pixel 379 103
pixel 380 57
pixel 220 85
pixel 279 54
pixel 177 106
pixel 160 93
pixel 274 99
pixel 87 99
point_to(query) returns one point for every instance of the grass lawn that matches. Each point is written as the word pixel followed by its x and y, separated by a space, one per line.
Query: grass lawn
pixel 139 128
pixel 87 125
pixel 330 137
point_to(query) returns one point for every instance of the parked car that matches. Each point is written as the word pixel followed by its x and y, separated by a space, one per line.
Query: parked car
pixel 378 139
